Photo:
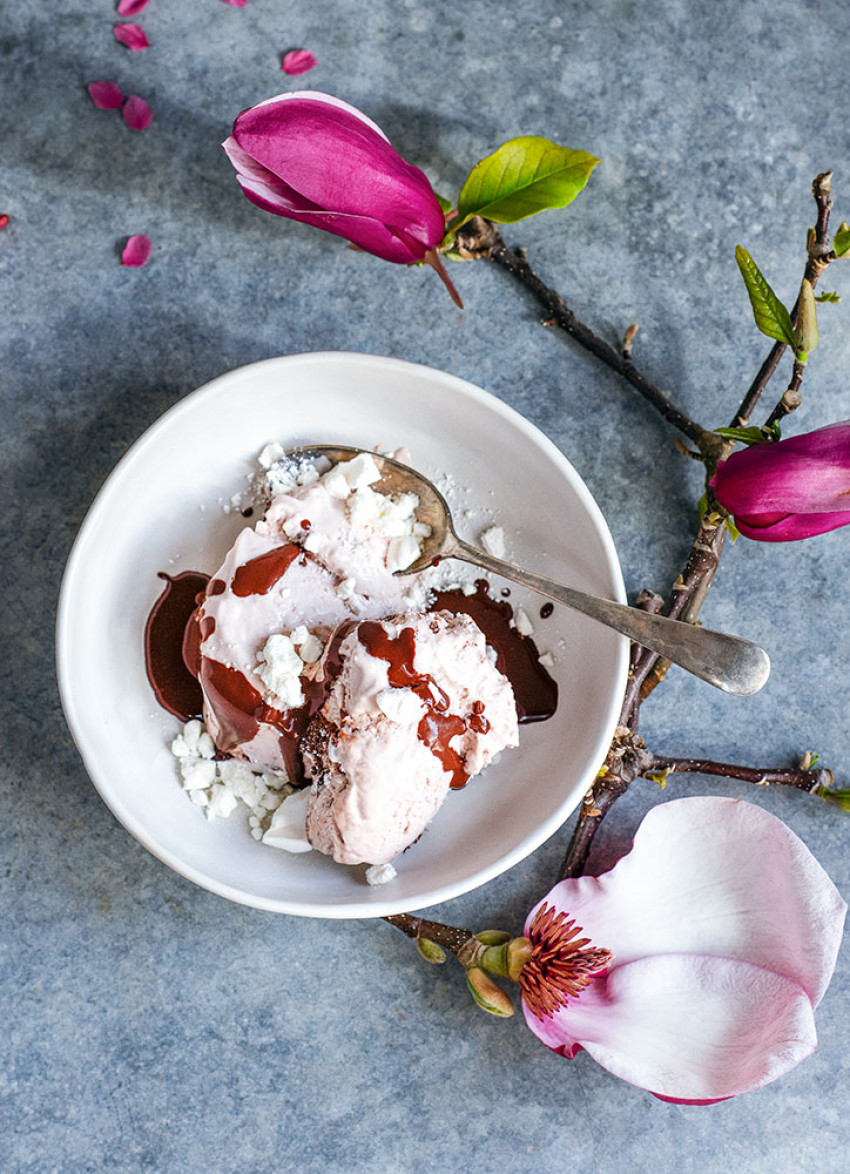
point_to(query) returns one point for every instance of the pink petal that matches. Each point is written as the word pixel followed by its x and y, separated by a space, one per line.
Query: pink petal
pixel 690 1028
pixel 131 35
pixel 4 220
pixel 790 527
pixel 131 7
pixel 137 251
pixel 105 95
pixel 298 61
pixel 236 3
pixel 137 113
pixel 714 876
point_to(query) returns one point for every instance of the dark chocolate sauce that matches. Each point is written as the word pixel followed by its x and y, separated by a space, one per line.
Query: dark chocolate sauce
pixel 174 686
pixel 535 692
pixel 259 575
pixel 437 727
pixel 239 708
pixel 176 669
pixel 546 610
pixel 436 730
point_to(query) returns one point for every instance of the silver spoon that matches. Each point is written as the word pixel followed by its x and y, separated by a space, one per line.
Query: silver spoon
pixel 728 662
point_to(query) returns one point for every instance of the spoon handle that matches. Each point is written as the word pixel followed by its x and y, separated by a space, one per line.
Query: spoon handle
pixel 734 665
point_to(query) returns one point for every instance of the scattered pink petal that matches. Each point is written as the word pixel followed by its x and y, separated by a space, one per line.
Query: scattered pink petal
pixel 131 7
pixel 132 36
pixel 137 113
pixel 4 220
pixel 105 95
pixel 297 61
pixel 137 251
pixel 236 3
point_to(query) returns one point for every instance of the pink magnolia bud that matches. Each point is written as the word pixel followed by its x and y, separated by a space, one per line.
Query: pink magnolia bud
pixel 313 158
pixel 791 489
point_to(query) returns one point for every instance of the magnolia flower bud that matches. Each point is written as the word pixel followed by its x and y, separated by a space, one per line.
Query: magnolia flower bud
pixel 313 158
pixel 487 995
pixel 790 489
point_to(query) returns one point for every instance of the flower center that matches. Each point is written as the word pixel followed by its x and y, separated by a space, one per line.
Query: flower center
pixel 561 964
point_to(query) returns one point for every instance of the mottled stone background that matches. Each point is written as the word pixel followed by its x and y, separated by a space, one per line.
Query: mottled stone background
pixel 151 1026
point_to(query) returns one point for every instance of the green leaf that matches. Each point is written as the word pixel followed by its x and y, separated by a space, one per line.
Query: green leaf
pixel 751 435
pixel 770 314
pixel 524 176
pixel 732 528
pixel 828 297
pixel 445 204
pixel 841 240
pixel 702 506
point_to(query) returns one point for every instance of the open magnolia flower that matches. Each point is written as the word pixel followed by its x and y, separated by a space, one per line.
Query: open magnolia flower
pixel 790 489
pixel 694 966
pixel 311 157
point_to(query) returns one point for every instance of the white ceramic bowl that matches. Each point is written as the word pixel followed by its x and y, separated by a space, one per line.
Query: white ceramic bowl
pixel 161 510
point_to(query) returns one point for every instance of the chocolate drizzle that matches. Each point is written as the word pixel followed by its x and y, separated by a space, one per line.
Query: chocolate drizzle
pixel 535 692
pixel 437 727
pixel 258 575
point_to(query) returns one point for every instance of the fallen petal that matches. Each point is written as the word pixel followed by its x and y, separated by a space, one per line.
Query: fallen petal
pixel 137 113
pixel 131 7
pixel 297 61
pixel 236 3
pixel 132 36
pixel 4 220
pixel 105 95
pixel 689 1028
pixel 136 252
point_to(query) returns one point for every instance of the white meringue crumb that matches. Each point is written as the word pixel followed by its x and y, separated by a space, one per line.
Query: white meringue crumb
pixel 493 541
pixel 380 874
pixel 400 705
pixel 288 827
pixel 336 483
pixel 402 552
pixel 280 668
pixel 313 542
pixel 522 623
pixel 547 660
pixel 219 787
pixel 270 455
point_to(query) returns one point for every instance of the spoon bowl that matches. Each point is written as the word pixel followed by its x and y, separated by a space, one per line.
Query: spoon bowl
pixel 729 663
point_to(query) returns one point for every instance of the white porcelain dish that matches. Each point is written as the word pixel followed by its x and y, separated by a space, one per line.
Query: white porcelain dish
pixel 162 510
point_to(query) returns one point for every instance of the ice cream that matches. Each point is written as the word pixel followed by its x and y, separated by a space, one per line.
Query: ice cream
pixel 324 553
pixel 316 666
pixel 417 707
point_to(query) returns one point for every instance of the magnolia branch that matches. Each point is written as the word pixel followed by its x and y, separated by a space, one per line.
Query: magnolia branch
pixel 628 757
pixel 419 928
pixel 805 780
pixel 481 239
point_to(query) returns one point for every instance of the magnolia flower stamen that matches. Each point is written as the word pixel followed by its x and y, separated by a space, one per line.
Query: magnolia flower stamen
pixel 561 964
